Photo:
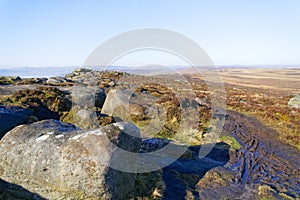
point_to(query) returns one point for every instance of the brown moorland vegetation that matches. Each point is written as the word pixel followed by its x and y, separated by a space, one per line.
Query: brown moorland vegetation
pixel 263 94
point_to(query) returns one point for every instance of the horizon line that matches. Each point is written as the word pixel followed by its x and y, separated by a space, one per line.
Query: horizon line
pixel 176 65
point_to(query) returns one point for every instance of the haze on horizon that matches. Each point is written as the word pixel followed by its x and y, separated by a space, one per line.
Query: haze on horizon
pixel 39 33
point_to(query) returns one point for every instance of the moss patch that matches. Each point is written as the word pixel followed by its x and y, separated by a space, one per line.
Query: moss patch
pixel 231 141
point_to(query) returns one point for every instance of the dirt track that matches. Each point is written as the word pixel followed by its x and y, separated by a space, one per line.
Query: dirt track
pixel 263 159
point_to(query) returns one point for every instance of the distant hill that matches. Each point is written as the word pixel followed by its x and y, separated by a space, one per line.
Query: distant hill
pixel 26 72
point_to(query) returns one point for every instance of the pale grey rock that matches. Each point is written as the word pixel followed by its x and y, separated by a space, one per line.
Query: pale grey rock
pixel 117 104
pixel 88 97
pixel 56 80
pixel 111 83
pixel 77 73
pixel 294 102
pixel 202 101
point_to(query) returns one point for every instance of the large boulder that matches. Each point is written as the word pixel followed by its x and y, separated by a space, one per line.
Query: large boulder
pixel 11 116
pixel 58 161
pixel 138 109
pixel 117 104
pixel 88 97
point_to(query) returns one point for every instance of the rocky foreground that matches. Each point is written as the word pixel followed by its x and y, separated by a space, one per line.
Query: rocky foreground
pixel 53 148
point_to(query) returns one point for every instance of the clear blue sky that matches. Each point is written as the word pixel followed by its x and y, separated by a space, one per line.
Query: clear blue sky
pixel 65 32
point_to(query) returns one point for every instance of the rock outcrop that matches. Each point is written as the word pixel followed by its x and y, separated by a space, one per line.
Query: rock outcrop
pixel 57 161
pixel 56 80
pixel 88 97
pixel 160 113
pixel 104 79
pixel 78 72
pixel 6 80
pixel 30 81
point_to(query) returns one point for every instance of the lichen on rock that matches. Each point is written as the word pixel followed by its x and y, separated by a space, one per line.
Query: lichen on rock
pixel 57 160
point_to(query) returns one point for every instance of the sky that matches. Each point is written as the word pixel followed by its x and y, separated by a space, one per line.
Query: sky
pixel 42 33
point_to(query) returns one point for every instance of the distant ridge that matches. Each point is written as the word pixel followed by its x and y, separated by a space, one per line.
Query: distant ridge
pixel 28 72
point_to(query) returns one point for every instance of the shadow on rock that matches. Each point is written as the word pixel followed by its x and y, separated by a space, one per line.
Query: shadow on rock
pixel 176 181
pixel 13 191
pixel 182 176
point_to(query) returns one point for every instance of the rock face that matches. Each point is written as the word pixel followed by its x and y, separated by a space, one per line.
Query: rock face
pixel 29 81
pixel 117 103
pixel 88 96
pixel 294 102
pixel 57 161
pixel 11 117
pixel 77 72
pixel 5 80
pixel 104 79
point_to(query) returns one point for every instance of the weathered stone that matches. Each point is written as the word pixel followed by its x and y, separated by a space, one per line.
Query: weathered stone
pixel 121 104
pixel 12 116
pixel 106 79
pixel 56 80
pixel 136 109
pixel 29 81
pixel 57 161
pixel 117 104
pixel 88 97
pixel 80 71
pixel 294 102
pixel 77 73
pixel 158 116
pixel 5 80
pixel 202 101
